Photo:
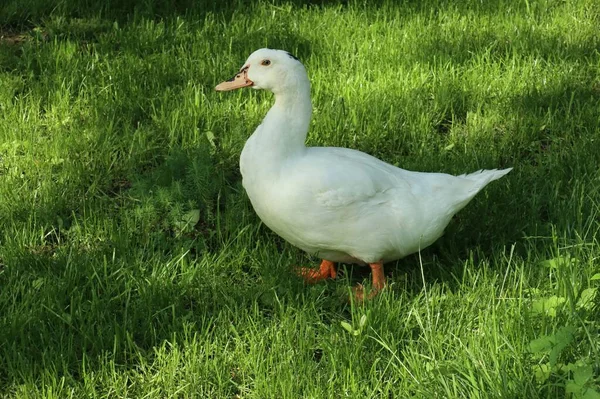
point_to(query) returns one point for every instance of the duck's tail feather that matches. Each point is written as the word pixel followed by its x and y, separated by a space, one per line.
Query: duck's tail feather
pixel 483 176
pixel 478 180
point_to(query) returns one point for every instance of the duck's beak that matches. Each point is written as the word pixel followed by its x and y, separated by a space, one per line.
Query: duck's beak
pixel 238 81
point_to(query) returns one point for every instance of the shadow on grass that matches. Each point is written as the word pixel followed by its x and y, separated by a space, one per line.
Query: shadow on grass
pixel 33 12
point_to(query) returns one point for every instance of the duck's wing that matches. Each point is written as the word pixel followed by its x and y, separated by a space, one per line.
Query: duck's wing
pixel 340 177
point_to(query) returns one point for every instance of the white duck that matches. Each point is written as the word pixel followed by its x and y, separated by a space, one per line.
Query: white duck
pixel 339 204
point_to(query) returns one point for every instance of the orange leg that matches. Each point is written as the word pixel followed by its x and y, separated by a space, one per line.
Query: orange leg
pixel 326 270
pixel 378 282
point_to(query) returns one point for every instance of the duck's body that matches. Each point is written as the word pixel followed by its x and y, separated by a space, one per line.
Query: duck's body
pixel 339 204
pixel 346 206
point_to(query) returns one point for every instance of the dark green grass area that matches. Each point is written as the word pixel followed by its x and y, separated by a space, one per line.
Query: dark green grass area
pixel 132 264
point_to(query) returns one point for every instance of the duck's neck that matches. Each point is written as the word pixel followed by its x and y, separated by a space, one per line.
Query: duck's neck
pixel 283 131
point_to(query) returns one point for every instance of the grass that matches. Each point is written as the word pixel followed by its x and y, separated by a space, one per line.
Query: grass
pixel 132 264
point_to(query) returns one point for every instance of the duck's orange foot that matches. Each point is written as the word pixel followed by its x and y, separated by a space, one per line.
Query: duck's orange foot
pixel 359 293
pixel 378 283
pixel 312 276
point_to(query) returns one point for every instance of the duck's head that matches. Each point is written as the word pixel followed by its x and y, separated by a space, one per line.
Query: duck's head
pixel 273 70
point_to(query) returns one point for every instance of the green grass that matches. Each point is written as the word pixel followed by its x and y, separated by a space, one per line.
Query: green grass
pixel 132 264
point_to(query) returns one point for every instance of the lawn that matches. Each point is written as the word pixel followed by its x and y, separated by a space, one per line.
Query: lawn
pixel 133 266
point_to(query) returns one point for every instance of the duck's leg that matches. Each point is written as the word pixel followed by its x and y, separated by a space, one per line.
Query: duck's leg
pixel 326 270
pixel 378 282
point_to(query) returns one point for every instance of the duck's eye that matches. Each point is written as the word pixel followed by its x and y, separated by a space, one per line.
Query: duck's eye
pixel 266 62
